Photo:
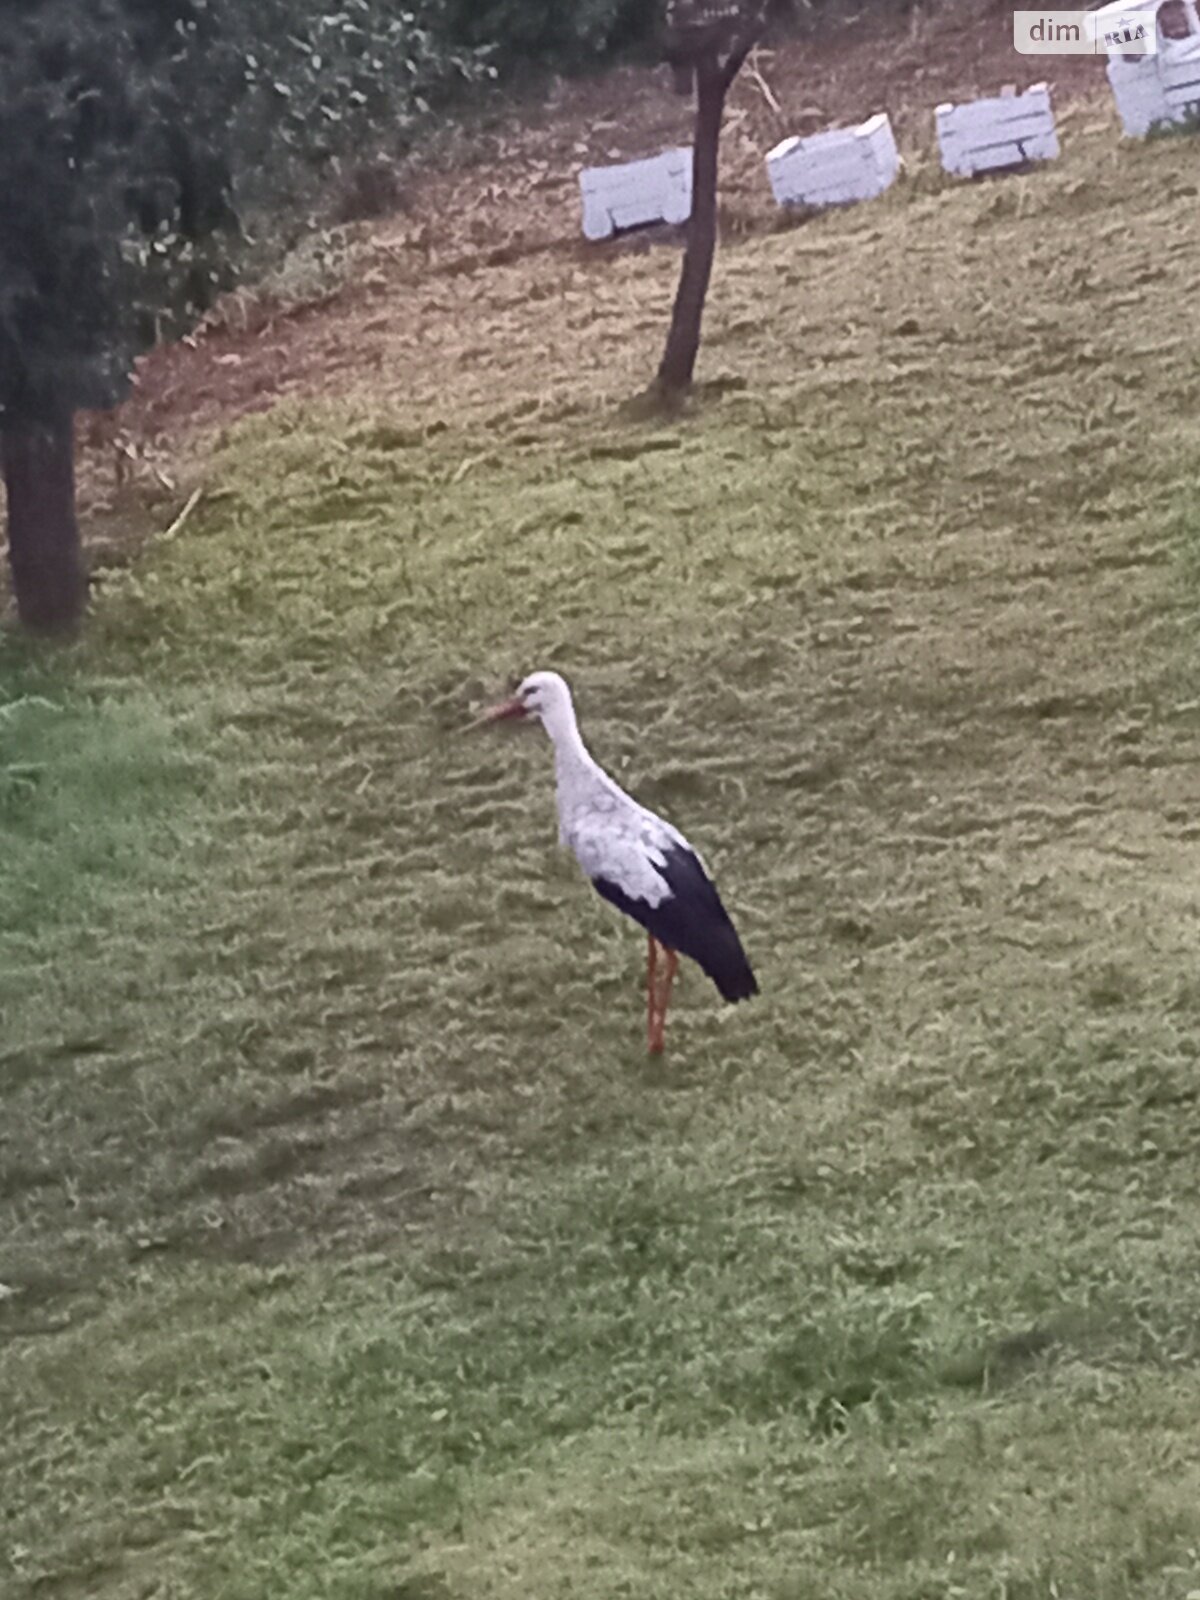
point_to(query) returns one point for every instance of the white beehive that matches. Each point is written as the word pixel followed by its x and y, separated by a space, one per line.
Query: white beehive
pixel 837 167
pixel 1160 87
pixel 1006 130
pixel 636 192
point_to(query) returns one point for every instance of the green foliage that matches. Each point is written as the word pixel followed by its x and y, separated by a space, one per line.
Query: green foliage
pixel 331 79
pixel 549 32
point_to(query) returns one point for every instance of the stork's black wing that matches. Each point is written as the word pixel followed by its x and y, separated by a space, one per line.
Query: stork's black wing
pixel 691 920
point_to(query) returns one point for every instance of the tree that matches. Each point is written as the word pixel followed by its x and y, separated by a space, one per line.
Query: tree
pixel 53 336
pixel 133 134
pixel 707 43
pixel 98 189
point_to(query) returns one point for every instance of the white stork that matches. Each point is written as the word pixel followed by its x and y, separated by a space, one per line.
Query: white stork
pixel 636 860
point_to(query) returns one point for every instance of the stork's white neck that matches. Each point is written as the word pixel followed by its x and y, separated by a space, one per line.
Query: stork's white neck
pixel 558 719
pixel 576 773
pixel 579 779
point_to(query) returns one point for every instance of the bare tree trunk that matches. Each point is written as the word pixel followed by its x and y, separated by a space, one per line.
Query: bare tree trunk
pixel 683 341
pixel 38 462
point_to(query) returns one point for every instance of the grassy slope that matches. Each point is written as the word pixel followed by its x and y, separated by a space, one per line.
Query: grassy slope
pixel 354 1248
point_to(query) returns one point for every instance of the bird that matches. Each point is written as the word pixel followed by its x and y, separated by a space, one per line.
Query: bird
pixel 635 859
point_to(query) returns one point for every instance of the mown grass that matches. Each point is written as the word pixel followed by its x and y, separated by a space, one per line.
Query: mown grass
pixel 351 1245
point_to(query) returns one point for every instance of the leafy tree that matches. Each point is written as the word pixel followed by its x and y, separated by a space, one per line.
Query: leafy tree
pixel 132 135
pixel 109 202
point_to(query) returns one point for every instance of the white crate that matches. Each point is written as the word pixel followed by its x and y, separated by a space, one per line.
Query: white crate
pixel 636 192
pixel 836 167
pixel 1004 131
pixel 1160 88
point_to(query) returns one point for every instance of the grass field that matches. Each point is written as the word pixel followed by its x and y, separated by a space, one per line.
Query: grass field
pixel 351 1245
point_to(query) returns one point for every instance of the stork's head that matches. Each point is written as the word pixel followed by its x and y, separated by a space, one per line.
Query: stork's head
pixel 543 695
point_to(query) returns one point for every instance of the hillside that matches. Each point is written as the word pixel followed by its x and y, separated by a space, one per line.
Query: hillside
pixel 492 222
pixel 352 1247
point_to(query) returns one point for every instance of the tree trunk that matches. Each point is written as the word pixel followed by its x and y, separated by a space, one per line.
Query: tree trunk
pixel 38 460
pixel 683 341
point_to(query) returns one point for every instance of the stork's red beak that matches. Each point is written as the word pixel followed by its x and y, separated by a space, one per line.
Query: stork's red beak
pixel 500 713
pixel 506 708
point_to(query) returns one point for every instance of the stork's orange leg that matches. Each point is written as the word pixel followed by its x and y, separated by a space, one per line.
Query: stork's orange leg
pixel 651 992
pixel 665 1001
pixel 659 993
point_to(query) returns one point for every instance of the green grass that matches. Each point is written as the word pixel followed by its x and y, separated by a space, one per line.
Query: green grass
pixel 352 1247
